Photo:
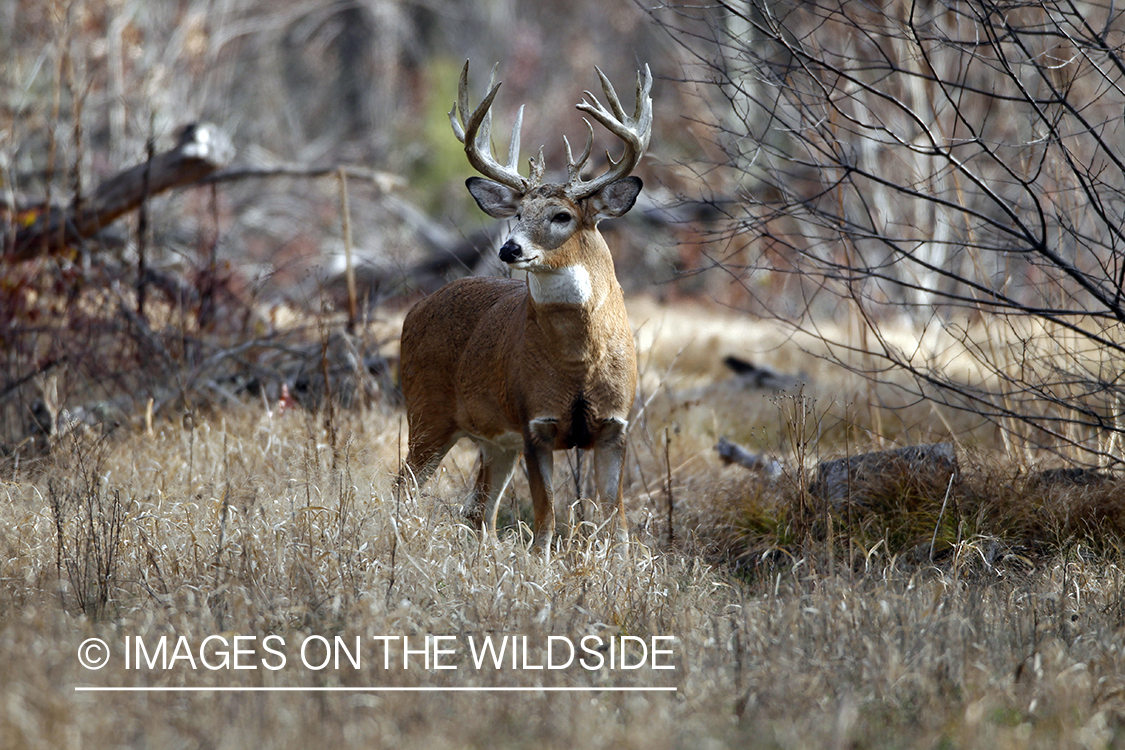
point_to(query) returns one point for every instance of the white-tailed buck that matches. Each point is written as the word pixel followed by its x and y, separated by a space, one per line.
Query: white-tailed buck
pixel 539 365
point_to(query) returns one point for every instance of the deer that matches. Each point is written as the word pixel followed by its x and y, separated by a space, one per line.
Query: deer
pixel 537 365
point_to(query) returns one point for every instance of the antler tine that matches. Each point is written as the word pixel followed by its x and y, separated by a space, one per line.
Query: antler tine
pixel 610 94
pixel 643 107
pixel 461 105
pixel 537 165
pixel 475 132
pixel 514 142
pixel 633 131
pixel 483 140
pixel 574 168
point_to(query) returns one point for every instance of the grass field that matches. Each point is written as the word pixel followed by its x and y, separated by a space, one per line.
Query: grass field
pixel 843 628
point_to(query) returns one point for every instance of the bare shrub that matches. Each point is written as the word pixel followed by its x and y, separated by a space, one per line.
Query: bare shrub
pixel 89 521
pixel 953 164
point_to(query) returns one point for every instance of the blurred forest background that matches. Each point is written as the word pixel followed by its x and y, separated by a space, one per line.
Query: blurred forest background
pixel 932 192
pixel 321 84
pixel 198 294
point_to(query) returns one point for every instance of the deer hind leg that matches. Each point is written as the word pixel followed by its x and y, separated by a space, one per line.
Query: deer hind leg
pixel 497 465
pixel 539 447
pixel 609 467
pixel 427 449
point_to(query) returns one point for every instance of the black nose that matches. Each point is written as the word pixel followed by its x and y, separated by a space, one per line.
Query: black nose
pixel 510 251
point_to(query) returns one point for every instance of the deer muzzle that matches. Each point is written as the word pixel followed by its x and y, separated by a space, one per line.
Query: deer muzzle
pixel 511 251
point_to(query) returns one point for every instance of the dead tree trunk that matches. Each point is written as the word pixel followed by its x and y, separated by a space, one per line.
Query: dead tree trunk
pixel 202 149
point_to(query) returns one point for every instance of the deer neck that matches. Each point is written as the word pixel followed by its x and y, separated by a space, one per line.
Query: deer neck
pixel 569 286
pixel 576 302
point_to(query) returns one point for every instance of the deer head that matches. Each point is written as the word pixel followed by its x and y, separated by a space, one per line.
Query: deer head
pixel 548 215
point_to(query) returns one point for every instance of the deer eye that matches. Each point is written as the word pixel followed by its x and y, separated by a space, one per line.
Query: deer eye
pixel 561 217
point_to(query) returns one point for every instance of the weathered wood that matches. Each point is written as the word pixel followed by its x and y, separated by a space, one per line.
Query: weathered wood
pixel 858 478
pixel 1070 477
pixel 201 150
pixel 383 182
pixel 757 376
pixel 733 453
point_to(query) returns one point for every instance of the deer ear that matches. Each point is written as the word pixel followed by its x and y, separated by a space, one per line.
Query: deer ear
pixel 616 198
pixel 496 200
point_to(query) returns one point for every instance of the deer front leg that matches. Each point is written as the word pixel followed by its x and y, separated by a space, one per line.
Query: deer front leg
pixel 539 447
pixel 609 465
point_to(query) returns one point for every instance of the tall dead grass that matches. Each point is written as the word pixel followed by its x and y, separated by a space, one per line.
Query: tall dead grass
pixel 250 525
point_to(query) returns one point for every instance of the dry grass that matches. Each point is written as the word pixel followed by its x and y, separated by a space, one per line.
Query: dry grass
pixel 829 630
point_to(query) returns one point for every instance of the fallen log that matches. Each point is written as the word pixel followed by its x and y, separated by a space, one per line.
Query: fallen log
pixel 733 453
pixel 758 376
pixel 200 150
pixel 857 479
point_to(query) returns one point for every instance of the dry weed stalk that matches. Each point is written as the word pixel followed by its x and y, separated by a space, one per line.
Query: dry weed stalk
pixel 89 521
pixel 968 650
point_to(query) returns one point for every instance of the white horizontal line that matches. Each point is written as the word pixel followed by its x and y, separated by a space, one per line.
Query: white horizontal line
pixel 94 689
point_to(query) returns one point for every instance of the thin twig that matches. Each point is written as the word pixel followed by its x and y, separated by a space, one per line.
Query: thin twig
pixel 937 526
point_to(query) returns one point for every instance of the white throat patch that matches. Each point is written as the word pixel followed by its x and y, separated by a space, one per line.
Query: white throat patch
pixel 569 285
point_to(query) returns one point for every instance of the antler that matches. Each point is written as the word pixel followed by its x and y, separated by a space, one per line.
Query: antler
pixel 634 131
pixel 476 134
